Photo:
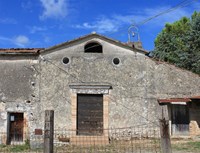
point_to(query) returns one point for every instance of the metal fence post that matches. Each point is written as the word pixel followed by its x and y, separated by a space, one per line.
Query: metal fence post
pixel 165 136
pixel 48 131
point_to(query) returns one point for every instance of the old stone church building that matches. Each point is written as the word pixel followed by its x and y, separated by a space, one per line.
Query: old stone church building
pixel 94 82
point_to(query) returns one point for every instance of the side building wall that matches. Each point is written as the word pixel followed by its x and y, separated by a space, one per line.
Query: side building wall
pixel 18 90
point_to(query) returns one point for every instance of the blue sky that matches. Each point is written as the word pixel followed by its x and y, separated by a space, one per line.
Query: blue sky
pixel 45 23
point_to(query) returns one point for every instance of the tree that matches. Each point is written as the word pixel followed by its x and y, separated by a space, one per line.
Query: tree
pixel 179 43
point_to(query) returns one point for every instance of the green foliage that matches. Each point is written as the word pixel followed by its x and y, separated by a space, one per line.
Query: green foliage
pixel 191 146
pixel 20 148
pixel 179 43
pixel 2 146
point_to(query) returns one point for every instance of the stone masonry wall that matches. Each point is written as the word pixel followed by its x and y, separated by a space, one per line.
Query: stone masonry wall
pixel 137 82
pixel 18 88
pixel 32 86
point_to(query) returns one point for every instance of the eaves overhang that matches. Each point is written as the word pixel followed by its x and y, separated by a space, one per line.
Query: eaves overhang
pixel 174 100
pixel 178 100
pixel 20 51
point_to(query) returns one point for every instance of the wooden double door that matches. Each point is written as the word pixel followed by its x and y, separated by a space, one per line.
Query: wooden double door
pixel 180 120
pixel 15 126
pixel 89 114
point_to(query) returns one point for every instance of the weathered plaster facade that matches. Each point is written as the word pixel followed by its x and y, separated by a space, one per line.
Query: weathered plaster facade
pixel 34 83
pixel 17 89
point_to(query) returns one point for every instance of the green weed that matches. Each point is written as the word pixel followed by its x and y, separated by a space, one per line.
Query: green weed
pixel 187 146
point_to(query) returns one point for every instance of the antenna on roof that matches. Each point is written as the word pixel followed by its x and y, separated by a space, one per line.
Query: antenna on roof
pixel 133 31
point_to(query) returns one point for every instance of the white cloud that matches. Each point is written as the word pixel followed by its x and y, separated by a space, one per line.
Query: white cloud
pixel 35 29
pixel 117 21
pixel 5 39
pixel 21 40
pixel 8 21
pixel 54 9
pixel 102 25
pixel 112 24
pixel 27 5
pixel 47 39
pixel 160 20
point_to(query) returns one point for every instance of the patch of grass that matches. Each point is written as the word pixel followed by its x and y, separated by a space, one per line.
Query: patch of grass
pixel 20 148
pixel 194 145
pixel 187 146
pixel 2 146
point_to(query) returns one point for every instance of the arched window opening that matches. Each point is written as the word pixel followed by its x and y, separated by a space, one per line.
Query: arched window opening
pixel 93 47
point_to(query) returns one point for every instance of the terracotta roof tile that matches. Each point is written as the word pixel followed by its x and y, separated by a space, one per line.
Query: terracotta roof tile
pixel 174 100
pixel 178 99
pixel 195 97
pixel 20 50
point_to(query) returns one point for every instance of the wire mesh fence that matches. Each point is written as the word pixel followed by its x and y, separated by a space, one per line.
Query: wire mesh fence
pixel 138 139
pixel 21 143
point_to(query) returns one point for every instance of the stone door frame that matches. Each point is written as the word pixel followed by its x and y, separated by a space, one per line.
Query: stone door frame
pixel 90 89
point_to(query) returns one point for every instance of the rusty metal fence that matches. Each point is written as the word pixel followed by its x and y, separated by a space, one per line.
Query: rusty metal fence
pixel 138 139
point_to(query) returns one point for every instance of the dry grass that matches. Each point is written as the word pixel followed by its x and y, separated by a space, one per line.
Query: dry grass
pixel 115 146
